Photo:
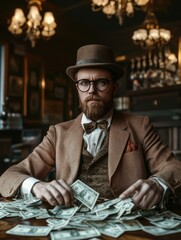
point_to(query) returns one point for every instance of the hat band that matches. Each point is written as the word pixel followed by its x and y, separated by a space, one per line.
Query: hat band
pixel 87 61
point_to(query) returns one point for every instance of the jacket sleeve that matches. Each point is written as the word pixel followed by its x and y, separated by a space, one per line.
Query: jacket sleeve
pixel 160 158
pixel 38 164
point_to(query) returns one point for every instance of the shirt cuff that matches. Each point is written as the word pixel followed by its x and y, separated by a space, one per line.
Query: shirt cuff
pixel 27 185
pixel 166 191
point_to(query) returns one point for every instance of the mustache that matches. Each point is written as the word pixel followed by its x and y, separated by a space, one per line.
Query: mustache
pixel 92 97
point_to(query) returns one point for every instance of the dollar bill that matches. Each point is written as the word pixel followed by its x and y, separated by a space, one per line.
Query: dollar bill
pixel 29 215
pixel 105 205
pixel 75 234
pixel 169 214
pixel 152 215
pixel 110 229
pixel 61 212
pixel 55 223
pixel 88 218
pixel 29 231
pixel 85 194
pixel 158 231
pixel 3 214
pixel 131 225
pixel 131 216
pixel 168 223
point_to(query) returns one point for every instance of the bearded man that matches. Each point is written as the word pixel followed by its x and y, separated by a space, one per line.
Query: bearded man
pixel 117 154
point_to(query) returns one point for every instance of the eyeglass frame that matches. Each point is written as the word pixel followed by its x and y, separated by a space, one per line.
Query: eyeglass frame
pixel 94 84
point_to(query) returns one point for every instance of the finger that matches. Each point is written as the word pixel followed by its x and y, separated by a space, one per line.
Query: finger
pixel 144 190
pixel 67 192
pixel 148 202
pixel 53 192
pixel 53 195
pixel 148 195
pixel 138 191
pixel 131 191
pixel 43 191
pixel 60 191
pixel 49 195
pixel 151 199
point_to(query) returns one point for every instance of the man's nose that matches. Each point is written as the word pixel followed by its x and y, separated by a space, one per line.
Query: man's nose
pixel 92 87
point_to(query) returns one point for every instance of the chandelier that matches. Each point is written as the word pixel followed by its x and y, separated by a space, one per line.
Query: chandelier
pixel 119 8
pixel 33 25
pixel 150 34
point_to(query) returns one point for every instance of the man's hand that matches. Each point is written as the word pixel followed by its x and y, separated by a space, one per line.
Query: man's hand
pixel 56 192
pixel 144 193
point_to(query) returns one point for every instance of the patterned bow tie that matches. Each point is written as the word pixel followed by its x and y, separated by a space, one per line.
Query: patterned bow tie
pixel 89 127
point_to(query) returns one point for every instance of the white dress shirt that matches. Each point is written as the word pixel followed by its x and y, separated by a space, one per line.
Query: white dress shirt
pixel 95 139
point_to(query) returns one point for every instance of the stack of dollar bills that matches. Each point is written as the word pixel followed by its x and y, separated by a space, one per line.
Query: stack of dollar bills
pixel 88 218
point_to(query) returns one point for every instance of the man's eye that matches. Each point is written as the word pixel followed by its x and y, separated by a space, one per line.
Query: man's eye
pixel 102 82
pixel 84 83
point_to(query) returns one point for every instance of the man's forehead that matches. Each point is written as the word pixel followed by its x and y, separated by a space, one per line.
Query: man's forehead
pixel 93 72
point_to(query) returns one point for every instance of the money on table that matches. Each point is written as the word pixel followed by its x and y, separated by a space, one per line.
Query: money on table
pixel 88 218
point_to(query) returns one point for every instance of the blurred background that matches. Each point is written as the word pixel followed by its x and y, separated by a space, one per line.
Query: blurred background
pixel 39 40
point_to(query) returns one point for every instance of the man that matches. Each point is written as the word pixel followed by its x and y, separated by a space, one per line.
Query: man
pixel 123 157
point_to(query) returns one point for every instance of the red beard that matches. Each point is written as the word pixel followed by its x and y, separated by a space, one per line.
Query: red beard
pixel 94 110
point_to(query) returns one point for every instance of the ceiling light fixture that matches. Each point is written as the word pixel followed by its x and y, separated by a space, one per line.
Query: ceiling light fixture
pixel 33 26
pixel 119 8
pixel 150 34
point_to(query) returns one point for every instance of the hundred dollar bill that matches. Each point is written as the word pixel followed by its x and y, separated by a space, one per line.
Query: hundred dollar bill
pixel 105 205
pixel 91 217
pixel 3 214
pixel 33 202
pixel 167 223
pixel 158 231
pixel 60 212
pixel 75 234
pixel 43 216
pixel 109 229
pixel 131 216
pixel 55 223
pixel 29 215
pixel 74 224
pixel 170 214
pixel 158 216
pixel 27 230
pixel 85 194
pixel 131 225
pixel 2 204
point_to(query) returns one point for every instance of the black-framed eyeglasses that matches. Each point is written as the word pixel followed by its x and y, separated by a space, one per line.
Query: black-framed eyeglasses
pixel 100 84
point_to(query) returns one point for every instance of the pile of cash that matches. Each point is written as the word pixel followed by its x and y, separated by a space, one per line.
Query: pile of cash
pixel 88 218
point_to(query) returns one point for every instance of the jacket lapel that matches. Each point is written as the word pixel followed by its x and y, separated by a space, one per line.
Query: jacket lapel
pixel 73 143
pixel 118 137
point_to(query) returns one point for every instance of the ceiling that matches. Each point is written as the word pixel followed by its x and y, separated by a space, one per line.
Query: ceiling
pixel 80 12
pixel 77 17
pixel 96 26
pixel 77 25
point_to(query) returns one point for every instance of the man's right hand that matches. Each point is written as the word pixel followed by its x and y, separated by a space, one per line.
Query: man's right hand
pixel 56 192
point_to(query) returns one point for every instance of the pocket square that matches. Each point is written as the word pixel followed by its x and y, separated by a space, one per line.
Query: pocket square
pixel 130 146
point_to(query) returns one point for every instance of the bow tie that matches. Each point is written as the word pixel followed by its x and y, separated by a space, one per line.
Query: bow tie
pixel 89 127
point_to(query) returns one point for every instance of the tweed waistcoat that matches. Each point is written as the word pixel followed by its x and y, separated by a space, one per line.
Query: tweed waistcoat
pixel 94 170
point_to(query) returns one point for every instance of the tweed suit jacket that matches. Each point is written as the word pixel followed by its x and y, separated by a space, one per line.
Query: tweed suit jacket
pixel 135 151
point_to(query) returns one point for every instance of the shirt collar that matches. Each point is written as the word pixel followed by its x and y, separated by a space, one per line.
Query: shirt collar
pixel 107 117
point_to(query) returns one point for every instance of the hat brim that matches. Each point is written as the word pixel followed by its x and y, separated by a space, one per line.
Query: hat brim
pixel 114 68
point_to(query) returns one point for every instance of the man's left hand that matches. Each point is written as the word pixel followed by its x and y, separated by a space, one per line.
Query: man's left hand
pixel 144 193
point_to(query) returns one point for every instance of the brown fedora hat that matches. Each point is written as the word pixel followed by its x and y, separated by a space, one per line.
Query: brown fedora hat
pixel 94 55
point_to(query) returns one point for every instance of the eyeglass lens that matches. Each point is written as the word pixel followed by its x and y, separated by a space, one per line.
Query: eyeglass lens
pixel 100 84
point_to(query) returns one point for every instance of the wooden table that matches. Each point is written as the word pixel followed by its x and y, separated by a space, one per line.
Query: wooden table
pixel 7 223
